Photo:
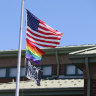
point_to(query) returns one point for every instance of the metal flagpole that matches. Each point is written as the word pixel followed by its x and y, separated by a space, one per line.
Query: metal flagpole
pixel 19 52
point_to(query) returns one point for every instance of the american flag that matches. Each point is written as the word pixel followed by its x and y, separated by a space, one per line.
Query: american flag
pixel 40 33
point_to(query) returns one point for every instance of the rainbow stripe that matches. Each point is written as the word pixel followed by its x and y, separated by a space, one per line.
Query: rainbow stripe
pixel 33 53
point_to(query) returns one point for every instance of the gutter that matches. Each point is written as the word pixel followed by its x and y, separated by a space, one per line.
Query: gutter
pixel 88 76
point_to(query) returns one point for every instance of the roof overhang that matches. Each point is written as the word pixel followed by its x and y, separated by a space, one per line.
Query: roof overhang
pixel 48 51
pixel 79 56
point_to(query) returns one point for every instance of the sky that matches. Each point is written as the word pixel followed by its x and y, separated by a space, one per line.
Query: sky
pixel 76 19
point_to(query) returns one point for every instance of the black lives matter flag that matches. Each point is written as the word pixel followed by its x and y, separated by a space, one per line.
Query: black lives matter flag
pixel 32 72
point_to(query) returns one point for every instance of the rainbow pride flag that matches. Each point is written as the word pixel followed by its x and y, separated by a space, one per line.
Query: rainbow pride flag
pixel 33 53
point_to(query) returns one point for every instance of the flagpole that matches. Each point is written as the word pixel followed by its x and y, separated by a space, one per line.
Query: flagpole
pixel 19 51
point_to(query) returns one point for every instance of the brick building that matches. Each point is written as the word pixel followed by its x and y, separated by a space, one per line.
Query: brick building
pixel 57 64
pixel 86 61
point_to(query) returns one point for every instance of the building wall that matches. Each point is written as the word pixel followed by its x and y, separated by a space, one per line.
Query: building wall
pixel 58 67
pixel 10 62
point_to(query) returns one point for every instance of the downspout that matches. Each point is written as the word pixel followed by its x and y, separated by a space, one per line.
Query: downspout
pixel 88 76
pixel 58 65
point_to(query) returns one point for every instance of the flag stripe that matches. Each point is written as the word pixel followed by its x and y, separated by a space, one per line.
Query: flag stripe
pixel 40 27
pixel 44 32
pixel 47 29
pixel 50 29
pixel 41 35
pixel 32 37
pixel 40 42
pixel 35 56
pixel 50 45
pixel 32 59
pixel 33 53
pixel 33 47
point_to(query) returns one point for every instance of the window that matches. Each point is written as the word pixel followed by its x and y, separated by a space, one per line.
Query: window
pixel 3 72
pixel 47 70
pixel 79 72
pixel 72 70
pixel 22 72
pixel 13 72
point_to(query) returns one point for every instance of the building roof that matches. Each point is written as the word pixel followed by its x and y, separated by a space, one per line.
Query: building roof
pixel 60 50
pixel 78 57
pixel 85 51
pixel 67 83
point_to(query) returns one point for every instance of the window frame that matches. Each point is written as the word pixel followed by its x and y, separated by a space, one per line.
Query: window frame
pixel 42 70
pixel 76 71
pixel 16 75
pixel 9 72
pixel 5 72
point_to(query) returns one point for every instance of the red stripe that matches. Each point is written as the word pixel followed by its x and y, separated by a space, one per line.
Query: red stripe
pixel 53 32
pixel 45 27
pixel 45 33
pixel 48 28
pixel 55 38
pixel 42 40
pixel 42 44
pixel 42 22
pixel 50 33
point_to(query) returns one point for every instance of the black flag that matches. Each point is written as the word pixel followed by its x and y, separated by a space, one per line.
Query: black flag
pixel 32 72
